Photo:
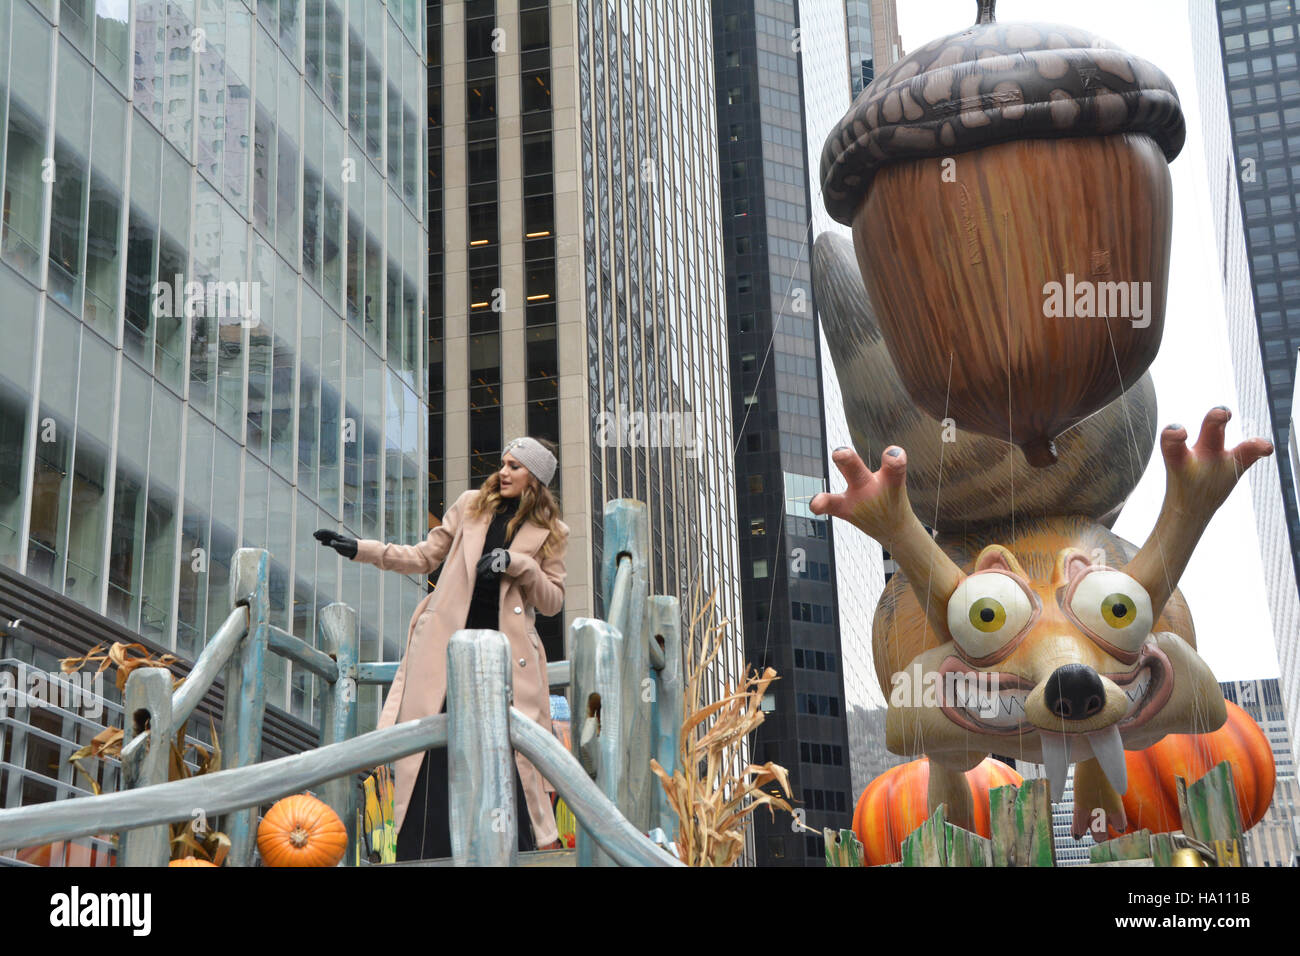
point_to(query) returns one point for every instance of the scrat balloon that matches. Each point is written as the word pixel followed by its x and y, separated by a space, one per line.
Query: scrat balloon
pixel 1076 653
pixel 1051 639
pixel 1009 192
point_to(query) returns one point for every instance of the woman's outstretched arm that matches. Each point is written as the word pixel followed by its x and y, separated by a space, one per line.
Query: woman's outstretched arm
pixel 542 584
pixel 422 558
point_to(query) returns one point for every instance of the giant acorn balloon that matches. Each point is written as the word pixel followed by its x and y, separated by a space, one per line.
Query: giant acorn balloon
pixel 1009 192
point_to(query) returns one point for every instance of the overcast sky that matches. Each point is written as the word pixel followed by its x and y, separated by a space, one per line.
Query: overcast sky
pixel 1224 581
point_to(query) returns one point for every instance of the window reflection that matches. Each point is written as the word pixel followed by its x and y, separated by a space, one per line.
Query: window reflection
pixel 204 425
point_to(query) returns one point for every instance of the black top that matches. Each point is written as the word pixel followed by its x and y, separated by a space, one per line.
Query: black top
pixel 485 601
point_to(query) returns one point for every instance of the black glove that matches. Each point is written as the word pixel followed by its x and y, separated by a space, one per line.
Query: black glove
pixel 343 545
pixel 485 563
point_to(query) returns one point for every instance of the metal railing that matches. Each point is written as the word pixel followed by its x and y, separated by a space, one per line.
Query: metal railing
pixel 626 696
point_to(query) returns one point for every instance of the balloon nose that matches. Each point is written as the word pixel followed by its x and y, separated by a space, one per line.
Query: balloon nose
pixel 1075 692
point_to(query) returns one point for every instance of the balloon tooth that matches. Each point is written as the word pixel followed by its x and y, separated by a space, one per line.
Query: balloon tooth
pixel 1108 748
pixel 1056 758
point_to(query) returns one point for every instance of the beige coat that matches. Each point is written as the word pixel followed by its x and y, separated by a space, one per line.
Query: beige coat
pixel 421 683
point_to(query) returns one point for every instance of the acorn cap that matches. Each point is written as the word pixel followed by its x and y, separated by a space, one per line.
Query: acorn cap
pixel 992 84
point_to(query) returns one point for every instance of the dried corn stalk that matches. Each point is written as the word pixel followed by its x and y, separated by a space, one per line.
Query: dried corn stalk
pixel 712 799
pixel 118 657
pixel 192 837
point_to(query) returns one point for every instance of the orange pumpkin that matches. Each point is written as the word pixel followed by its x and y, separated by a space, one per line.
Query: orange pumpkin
pixel 191 861
pixel 895 804
pixel 1151 801
pixel 301 831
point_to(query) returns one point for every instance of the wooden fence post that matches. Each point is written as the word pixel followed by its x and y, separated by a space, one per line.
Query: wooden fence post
pixel 666 633
pixel 241 727
pixel 597 717
pixel 480 760
pixel 627 532
pixel 147 701
pixel 339 639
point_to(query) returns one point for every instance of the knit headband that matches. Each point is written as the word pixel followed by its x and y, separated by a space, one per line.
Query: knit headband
pixel 533 455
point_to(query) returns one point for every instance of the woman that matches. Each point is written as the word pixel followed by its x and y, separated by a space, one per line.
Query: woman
pixel 504 548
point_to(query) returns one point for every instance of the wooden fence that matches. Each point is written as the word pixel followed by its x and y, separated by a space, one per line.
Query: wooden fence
pixel 625 676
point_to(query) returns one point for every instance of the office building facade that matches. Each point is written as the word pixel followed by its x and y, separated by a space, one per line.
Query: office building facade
pixel 213 264
pixel 1248 87
pixel 873 40
pixel 1274 840
pixel 830 32
pixel 576 279
pixel 782 72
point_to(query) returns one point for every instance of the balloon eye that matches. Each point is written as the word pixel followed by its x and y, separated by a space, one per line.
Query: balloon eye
pixel 987 615
pixel 1118 610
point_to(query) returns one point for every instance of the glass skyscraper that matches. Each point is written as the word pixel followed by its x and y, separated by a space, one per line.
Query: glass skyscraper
pixel 1248 88
pixel 782 72
pixel 829 31
pixel 1274 840
pixel 214 244
pixel 576 277
pixel 873 41
pixel 580 274
pixel 1257 46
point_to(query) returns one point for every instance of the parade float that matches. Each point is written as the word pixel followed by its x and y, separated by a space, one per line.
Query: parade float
pixel 991 324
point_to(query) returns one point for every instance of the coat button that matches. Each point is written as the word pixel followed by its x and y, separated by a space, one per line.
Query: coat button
pixel 518 609
pixel 522 662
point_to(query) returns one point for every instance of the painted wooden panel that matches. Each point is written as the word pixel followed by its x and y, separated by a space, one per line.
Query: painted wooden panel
pixel 1208 809
pixel 1131 846
pixel 938 843
pixel 1021 824
pixel 843 848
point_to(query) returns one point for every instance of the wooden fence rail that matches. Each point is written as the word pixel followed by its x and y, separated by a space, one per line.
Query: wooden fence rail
pixel 625 674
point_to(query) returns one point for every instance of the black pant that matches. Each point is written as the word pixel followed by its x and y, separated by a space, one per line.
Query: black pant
pixel 426 831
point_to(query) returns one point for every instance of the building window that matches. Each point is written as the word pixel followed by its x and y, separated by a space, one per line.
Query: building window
pixel 536 91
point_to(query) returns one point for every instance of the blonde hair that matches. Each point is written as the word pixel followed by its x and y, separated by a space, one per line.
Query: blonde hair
pixel 537 505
